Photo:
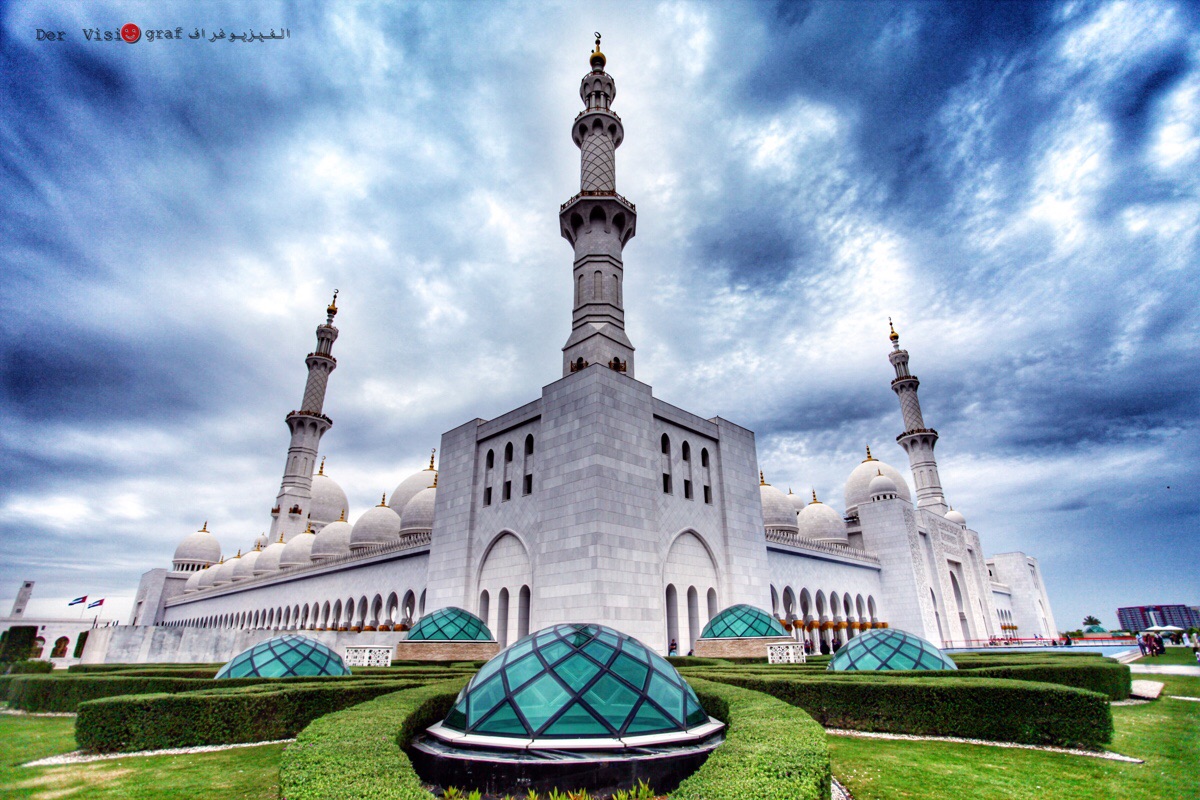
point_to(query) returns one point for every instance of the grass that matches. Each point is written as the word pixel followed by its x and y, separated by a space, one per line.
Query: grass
pixel 251 772
pixel 1173 655
pixel 1165 733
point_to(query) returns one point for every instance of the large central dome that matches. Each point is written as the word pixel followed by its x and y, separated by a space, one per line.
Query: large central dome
pixel 576 681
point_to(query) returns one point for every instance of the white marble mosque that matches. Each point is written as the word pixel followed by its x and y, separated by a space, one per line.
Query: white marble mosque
pixel 594 502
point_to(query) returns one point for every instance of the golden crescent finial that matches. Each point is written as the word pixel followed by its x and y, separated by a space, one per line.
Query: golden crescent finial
pixel 342 518
pixel 869 456
pixel 432 453
pixel 814 500
pixel 895 337
pixel 204 527
pixel 321 471
pixel 382 501
pixel 761 480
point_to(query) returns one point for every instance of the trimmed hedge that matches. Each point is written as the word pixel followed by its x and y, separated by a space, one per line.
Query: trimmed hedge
pixel 772 751
pixel 30 667
pixel 158 667
pixel 216 716
pixel 356 753
pixel 697 661
pixel 976 708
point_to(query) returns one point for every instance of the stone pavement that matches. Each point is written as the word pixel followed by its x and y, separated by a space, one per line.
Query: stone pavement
pixel 1147 690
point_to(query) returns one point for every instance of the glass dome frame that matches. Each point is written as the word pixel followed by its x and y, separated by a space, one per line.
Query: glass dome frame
pixel 889 649
pixel 450 624
pixel 742 621
pixel 286 656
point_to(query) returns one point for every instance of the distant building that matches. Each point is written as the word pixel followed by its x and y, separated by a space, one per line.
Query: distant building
pixel 1138 618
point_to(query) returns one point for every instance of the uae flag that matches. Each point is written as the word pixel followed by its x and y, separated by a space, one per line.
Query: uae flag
pixel 95 603
pixel 78 600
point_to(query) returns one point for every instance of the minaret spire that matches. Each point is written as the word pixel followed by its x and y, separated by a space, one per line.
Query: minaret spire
pixel 917 440
pixel 307 426
pixel 598 222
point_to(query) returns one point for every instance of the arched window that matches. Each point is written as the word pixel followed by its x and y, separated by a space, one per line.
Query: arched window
pixel 506 487
pixel 508 452
pixel 666 464
pixel 527 476
pixel 485 607
pixel 523 612
pixel 687 471
pixel 598 287
pixel 687 452
pixel 491 459
pixel 672 617
pixel 501 629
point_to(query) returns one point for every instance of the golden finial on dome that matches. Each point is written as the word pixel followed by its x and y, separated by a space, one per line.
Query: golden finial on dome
pixel 895 337
pixel 342 518
pixel 869 456
pixel 309 528
pixel 761 480
pixel 597 59
pixel 204 527
pixel 281 537
pixel 434 484
pixel 432 453
pixel 879 472
pixel 789 490
pixel 814 500
pixel 382 501
pixel 321 471
pixel 239 553
pixel 333 309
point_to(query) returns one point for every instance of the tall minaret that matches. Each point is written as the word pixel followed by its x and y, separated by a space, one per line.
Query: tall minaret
pixel 917 440
pixel 308 425
pixel 598 222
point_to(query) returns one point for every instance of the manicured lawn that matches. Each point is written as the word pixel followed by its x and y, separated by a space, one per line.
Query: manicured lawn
pixel 251 772
pixel 1165 733
pixel 1174 655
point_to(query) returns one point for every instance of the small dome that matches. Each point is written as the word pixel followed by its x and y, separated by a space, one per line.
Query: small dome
pixel 328 500
pixel 244 570
pixel 777 510
pixel 207 576
pixel 821 523
pixel 889 649
pixel 858 484
pixel 332 542
pixel 418 514
pixel 378 525
pixel 297 551
pixel 260 542
pixel 882 487
pixel 192 584
pixel 408 488
pixel 268 559
pixel 225 570
pixel 797 500
pixel 578 681
pixel 200 548
pixel 956 518
pixel 284 656
pixel 450 623
pixel 742 622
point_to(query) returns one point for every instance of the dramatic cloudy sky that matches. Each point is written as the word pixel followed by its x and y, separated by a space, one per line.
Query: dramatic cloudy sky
pixel 1015 183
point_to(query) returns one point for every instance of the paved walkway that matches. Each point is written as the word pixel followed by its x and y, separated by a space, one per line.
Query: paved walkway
pixel 1165 669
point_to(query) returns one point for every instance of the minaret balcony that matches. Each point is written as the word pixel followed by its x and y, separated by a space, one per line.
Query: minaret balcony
pixel 313 414
pixel 325 356
pixel 918 432
pixel 912 378
pixel 613 194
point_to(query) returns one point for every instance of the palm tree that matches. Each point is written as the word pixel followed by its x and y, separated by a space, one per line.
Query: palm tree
pixel 1090 620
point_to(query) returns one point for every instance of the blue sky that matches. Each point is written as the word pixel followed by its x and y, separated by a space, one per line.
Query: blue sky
pixel 1016 184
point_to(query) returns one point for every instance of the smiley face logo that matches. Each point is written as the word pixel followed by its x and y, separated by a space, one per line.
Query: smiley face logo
pixel 130 32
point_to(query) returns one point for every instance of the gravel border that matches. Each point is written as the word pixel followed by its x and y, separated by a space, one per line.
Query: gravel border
pixel 12 712
pixel 1133 701
pixel 80 757
pixel 839 792
pixel 1184 697
pixel 956 740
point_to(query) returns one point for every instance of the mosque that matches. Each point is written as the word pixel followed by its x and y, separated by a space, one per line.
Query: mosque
pixel 594 502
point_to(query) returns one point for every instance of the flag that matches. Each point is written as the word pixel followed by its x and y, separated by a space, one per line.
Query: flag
pixel 99 602
pixel 78 600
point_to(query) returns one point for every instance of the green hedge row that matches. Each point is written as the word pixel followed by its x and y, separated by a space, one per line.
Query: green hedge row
pixel 355 753
pixel 216 716
pixel 772 751
pixel 976 708
pixel 30 667
pixel 156 667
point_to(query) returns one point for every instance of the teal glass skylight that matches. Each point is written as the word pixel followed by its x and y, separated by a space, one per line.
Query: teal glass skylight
pixel 450 623
pixel 1095 629
pixel 740 622
pixel 889 649
pixel 576 681
pixel 284 657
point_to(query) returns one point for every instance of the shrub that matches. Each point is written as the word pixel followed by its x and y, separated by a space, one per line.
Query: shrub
pixel 978 708
pixel 355 753
pixel 18 643
pixel 696 661
pixel 30 667
pixel 771 750
pixel 1097 675
pixel 81 668
pixel 215 716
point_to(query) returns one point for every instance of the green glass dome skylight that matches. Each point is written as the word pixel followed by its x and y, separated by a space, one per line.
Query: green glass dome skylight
pixel 450 623
pixel 740 622
pixel 576 681
pixel 285 657
pixel 889 649
pixel 1095 629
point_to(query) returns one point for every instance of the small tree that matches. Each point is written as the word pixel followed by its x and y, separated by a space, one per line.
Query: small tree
pixel 1090 620
pixel 18 644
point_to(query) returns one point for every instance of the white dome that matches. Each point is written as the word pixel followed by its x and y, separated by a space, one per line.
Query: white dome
pixel 411 486
pixel 268 559
pixel 797 500
pixel 858 484
pixel 821 523
pixel 332 542
pixel 881 486
pixel 200 547
pixel 245 566
pixel 377 526
pixel 260 543
pixel 225 571
pixel 418 514
pixel 778 511
pixel 207 576
pixel 193 583
pixel 296 553
pixel 956 518
pixel 328 500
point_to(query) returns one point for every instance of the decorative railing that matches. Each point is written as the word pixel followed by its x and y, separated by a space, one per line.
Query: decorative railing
pixel 597 110
pixel 793 539
pixel 315 414
pixel 407 541
pixel 916 431
pixel 593 193
pixel 904 378
pixel 322 355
